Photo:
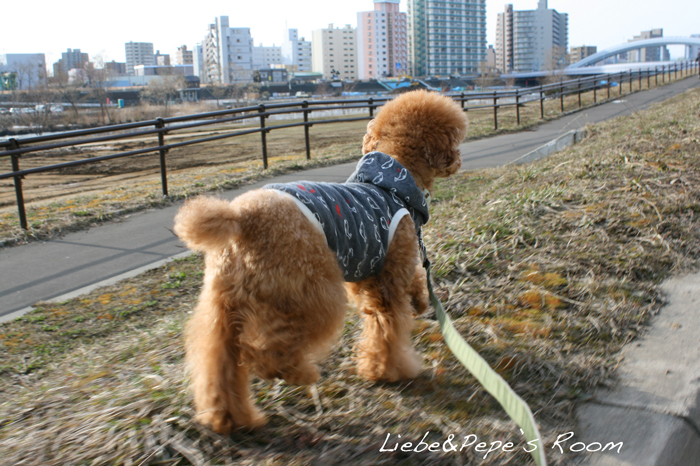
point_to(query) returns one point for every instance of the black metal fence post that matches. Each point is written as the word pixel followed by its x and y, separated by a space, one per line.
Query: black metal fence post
pixel 579 92
pixel 160 124
pixel 495 110
pixel 305 105
pixel 595 88
pixel 648 75
pixel 461 97
pixel 517 106
pixel 561 95
pixel 14 145
pixel 620 78
pixel 263 134
pixel 631 81
pixel 371 107
pixel 541 103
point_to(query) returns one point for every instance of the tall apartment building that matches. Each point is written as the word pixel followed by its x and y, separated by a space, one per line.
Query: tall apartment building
pixel 579 53
pixel 382 41
pixel 70 59
pixel 184 56
pixel 295 51
pixel 227 54
pixel 138 53
pixel 265 57
pixel 504 40
pixel 648 54
pixel 198 62
pixel 446 37
pixel 334 52
pixel 536 40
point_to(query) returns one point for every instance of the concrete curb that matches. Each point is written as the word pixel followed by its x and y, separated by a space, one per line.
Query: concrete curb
pixel 560 143
pixel 94 286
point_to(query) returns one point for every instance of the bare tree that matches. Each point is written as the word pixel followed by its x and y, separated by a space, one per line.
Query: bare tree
pixel 163 91
pixel 219 92
pixel 488 77
pixel 98 80
pixel 68 91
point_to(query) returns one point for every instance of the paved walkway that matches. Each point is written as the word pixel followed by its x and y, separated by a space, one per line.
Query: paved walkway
pixel 44 270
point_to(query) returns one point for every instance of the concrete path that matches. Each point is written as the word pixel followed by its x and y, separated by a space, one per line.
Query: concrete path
pixel 44 270
pixel 655 409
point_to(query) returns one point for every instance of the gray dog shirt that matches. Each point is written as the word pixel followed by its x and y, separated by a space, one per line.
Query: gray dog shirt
pixel 359 217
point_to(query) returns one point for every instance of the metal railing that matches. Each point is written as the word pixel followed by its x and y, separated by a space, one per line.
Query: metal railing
pixel 161 127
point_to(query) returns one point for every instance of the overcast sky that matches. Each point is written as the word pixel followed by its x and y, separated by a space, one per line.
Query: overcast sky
pixel 102 28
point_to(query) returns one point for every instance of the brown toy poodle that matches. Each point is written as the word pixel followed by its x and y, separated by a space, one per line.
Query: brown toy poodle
pixel 278 260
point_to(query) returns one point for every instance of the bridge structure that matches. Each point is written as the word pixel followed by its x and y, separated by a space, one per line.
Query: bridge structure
pixel 594 64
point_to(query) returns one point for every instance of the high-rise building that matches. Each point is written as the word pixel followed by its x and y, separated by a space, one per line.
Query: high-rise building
pixel 296 52
pixel 647 54
pixel 504 40
pixel 138 53
pixel 334 52
pixel 536 40
pixel 382 41
pixel 227 55
pixel 446 37
pixel 71 59
pixel 579 53
pixel 198 62
pixel 184 56
pixel 265 57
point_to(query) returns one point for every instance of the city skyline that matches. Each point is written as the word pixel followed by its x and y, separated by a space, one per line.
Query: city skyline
pixel 104 32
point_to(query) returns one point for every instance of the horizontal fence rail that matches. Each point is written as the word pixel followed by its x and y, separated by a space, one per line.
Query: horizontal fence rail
pixel 161 127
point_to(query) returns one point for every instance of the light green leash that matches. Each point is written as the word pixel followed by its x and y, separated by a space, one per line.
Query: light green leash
pixel 515 406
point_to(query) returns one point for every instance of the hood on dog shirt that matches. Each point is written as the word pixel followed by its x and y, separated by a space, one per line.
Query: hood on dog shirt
pixel 359 217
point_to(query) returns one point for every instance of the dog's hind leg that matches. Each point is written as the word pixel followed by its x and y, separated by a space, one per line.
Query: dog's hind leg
pixel 385 351
pixel 300 326
pixel 218 369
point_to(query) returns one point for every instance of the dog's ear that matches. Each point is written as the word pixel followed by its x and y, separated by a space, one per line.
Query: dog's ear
pixel 443 154
pixel 369 141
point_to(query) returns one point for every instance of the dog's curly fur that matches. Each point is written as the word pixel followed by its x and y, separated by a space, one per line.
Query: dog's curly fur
pixel 274 298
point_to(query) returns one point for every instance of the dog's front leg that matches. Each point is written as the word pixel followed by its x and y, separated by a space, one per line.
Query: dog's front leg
pixel 385 351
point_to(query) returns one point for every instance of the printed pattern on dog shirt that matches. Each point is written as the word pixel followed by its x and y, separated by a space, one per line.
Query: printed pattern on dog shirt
pixel 358 217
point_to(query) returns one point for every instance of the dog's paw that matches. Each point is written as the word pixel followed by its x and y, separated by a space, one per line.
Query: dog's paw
pixel 307 375
pixel 222 422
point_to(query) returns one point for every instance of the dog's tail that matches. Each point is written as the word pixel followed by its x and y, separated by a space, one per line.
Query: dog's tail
pixel 207 223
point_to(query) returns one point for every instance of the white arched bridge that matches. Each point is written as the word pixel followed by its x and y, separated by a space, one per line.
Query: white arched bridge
pixel 636 45
pixel 587 66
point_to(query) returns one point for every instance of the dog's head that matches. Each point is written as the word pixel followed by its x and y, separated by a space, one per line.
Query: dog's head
pixel 422 130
